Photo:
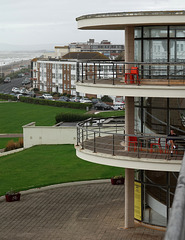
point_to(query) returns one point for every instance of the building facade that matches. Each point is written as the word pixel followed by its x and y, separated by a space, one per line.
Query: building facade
pixel 105 47
pixel 61 75
pixel 54 76
pixel 154 105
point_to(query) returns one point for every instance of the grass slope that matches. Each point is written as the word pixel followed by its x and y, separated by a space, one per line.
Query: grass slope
pixel 47 165
pixel 15 115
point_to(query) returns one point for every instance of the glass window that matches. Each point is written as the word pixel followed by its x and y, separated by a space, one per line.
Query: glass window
pixel 177 50
pixel 152 32
pixel 137 50
pixel 155 51
pixel 177 31
pixel 137 32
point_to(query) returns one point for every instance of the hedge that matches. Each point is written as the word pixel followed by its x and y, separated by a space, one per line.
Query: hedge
pixel 8 97
pixel 72 117
pixel 40 101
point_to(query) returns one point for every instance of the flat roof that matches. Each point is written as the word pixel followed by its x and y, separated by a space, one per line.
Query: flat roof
pixel 119 20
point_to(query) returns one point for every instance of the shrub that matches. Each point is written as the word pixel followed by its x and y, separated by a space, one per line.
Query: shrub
pixel 36 90
pixel 71 117
pixel 106 99
pixel 20 142
pixel 11 145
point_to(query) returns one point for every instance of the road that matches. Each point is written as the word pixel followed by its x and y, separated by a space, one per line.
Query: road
pixel 7 87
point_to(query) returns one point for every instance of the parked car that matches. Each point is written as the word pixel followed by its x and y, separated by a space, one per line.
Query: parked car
pixel 119 106
pixel 74 99
pixel 47 96
pixel 102 106
pixel 26 81
pixel 20 75
pixel 7 80
pixel 85 100
pixel 96 100
pixel 24 91
pixel 15 90
pixel 63 99
pixel 41 97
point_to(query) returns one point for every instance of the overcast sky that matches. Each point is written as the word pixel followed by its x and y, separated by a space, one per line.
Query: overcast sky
pixel 53 21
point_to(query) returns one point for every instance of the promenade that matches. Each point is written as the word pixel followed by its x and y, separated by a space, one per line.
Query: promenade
pixel 91 210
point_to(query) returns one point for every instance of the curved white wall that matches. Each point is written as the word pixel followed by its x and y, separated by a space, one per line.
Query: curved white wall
pixel 129 162
pixel 132 90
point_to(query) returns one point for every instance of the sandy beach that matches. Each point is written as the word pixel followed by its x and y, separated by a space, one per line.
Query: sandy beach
pixel 6 69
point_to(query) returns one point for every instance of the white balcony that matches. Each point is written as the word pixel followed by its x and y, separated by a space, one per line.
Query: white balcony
pixel 103 141
pixel 153 79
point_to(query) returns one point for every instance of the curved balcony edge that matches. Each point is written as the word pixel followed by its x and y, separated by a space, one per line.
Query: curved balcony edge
pixel 129 162
pixel 132 90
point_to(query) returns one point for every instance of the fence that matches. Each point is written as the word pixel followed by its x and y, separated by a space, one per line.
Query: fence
pixel 163 73
pixel 107 135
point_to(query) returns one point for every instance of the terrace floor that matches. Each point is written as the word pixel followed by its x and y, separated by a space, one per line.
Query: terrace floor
pixel 105 145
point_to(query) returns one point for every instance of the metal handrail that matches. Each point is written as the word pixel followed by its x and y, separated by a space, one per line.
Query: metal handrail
pixel 168 72
pixel 95 132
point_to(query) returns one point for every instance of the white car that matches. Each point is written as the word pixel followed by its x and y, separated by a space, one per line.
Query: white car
pixel 24 91
pixel 47 96
pixel 118 106
pixel 85 100
pixel 7 80
pixel 15 90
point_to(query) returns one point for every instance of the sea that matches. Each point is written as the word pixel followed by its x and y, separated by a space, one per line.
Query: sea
pixel 8 57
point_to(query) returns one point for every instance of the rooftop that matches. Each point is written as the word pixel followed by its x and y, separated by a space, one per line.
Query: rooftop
pixel 120 20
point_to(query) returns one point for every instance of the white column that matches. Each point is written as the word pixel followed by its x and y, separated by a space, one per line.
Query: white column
pixel 129 46
pixel 129 198
pixel 129 115
pixel 129 173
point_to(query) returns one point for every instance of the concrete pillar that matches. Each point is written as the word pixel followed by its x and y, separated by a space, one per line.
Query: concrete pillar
pixel 129 46
pixel 129 173
pixel 129 198
pixel 129 115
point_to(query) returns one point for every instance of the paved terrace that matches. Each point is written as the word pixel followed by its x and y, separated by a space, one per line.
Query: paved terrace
pixel 105 145
pixel 88 211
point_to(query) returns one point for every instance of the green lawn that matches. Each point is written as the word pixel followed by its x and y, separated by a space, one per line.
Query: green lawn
pixel 111 113
pixel 4 141
pixel 15 115
pixel 46 165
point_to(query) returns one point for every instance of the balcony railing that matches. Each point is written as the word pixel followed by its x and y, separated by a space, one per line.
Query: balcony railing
pixel 113 72
pixel 108 136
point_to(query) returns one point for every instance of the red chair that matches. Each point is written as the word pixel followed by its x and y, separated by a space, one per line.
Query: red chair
pixel 132 140
pixel 134 72
pixel 158 144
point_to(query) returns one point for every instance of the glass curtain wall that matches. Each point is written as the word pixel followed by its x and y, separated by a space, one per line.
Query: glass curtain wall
pixel 157 193
pixel 159 115
pixel 160 44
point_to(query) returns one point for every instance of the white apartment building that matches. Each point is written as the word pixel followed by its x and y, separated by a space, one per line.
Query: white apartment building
pixel 61 75
pixel 54 76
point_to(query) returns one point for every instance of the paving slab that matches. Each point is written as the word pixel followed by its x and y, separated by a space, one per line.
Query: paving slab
pixel 90 211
